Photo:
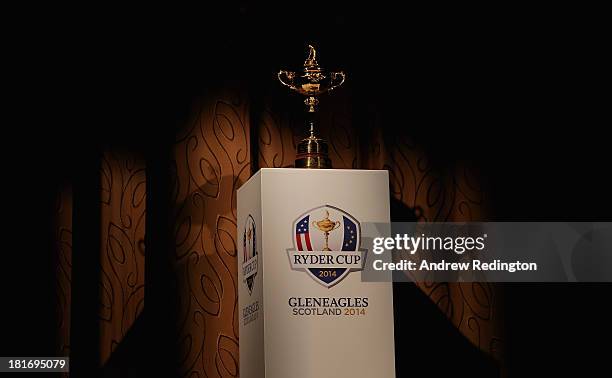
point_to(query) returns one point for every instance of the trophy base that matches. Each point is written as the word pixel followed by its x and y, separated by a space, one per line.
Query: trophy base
pixel 313 162
pixel 312 152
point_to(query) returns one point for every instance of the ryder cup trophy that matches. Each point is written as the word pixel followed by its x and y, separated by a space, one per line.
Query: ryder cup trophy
pixel 313 81
pixel 326 226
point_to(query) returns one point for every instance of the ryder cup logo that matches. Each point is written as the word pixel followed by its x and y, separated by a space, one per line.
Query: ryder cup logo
pixel 326 245
pixel 249 253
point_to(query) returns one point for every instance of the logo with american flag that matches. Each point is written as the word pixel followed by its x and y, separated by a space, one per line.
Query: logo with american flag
pixel 326 245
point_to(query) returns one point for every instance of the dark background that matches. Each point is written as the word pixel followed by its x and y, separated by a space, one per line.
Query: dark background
pixel 515 90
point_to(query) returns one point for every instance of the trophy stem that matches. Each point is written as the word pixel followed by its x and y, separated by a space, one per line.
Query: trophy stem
pixel 326 241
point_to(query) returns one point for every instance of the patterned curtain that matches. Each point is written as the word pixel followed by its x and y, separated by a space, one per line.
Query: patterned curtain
pixel 122 259
pixel 227 137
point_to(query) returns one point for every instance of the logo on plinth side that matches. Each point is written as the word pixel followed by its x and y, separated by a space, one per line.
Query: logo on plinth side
pixel 326 245
pixel 249 253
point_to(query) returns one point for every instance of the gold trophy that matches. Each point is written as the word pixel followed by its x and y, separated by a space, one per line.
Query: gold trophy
pixel 326 225
pixel 313 81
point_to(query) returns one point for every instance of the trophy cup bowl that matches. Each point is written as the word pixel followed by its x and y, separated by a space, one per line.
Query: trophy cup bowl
pixel 313 81
pixel 311 84
pixel 327 225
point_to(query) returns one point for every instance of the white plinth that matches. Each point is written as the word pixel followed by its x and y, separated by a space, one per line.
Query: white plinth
pixel 303 310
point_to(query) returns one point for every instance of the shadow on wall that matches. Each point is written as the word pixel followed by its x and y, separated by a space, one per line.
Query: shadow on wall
pixel 426 342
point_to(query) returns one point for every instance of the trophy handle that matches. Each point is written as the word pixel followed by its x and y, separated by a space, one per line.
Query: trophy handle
pixel 337 79
pixel 336 225
pixel 286 78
